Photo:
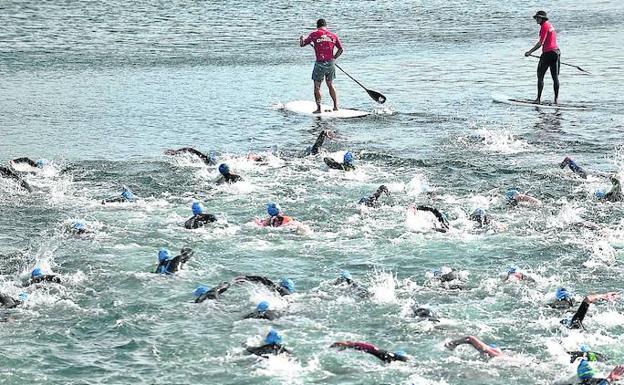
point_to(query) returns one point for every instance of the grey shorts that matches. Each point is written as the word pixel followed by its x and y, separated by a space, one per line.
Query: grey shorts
pixel 324 70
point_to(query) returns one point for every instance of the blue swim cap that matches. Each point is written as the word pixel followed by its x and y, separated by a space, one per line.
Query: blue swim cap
pixel 263 306
pixel 36 272
pixel 600 194
pixel 348 158
pixel 511 194
pixel 512 269
pixel 127 193
pixel 562 294
pixel 164 254
pixel 273 209
pixel 79 225
pixel 201 290
pixel 288 284
pixel 437 273
pixel 585 370
pixel 345 274
pixel 224 169
pixel 400 354
pixel 584 348
pixel 493 346
pixel 23 296
pixel 273 338
pixel 479 212
pixel 197 208
pixel 41 163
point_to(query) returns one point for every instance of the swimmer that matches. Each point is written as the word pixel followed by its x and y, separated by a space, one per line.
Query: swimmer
pixel 440 217
pixel 424 313
pixel 37 276
pixel 276 217
pixel 126 196
pixel 480 216
pixel 587 374
pixel 40 163
pixel 272 345
pixel 208 160
pixel 8 173
pixel 576 322
pixel 482 347
pixel 263 311
pixel 563 299
pixel 347 281
pixel 372 201
pixel 226 175
pixel 366 347
pixel 615 194
pixel 514 197
pixel 79 227
pixel 286 286
pixel 168 265
pixel 198 219
pixel 449 278
pixel 515 275
pixel 9 302
pixel 319 142
pixel 348 163
pixel 586 353
pixel 567 161
pixel 203 292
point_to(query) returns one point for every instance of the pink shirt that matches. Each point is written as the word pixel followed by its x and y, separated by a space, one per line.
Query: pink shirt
pixel 324 43
pixel 548 37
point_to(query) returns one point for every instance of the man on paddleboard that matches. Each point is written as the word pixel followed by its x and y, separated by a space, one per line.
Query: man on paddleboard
pixel 324 43
pixel 550 57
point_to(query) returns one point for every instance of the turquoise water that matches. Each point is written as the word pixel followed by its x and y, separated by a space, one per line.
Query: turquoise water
pixel 103 88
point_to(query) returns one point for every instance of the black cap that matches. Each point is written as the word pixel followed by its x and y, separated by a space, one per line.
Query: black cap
pixel 541 15
pixel 321 23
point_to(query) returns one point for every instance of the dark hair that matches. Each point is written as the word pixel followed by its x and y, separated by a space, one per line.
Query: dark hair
pixel 321 23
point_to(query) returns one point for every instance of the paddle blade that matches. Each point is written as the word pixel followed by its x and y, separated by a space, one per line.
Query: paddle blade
pixel 379 98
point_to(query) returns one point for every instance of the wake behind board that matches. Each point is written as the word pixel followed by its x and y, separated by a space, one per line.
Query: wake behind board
pixel 544 105
pixel 307 107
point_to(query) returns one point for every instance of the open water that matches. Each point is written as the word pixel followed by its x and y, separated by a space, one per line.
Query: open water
pixel 103 88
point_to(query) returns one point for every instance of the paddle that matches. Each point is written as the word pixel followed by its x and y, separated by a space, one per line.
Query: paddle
pixel 570 65
pixel 379 98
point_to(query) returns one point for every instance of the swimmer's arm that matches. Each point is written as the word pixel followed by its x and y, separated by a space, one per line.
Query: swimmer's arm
pixel 30 162
pixel 319 142
pixel 616 373
pixel 258 279
pixel 528 199
pixel 610 296
pixel 477 344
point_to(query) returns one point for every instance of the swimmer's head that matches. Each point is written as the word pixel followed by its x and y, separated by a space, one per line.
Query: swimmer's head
pixel 585 371
pixel 224 169
pixel 201 290
pixel 512 194
pixel 400 355
pixel 345 274
pixel 263 306
pixel 437 273
pixel 127 193
pixel 23 296
pixel 348 158
pixel 584 348
pixel 164 254
pixel 37 272
pixel 287 284
pixel 563 294
pixel 273 338
pixel 423 312
pixel 512 269
pixel 273 209
pixel 79 225
pixel 41 163
pixel 197 208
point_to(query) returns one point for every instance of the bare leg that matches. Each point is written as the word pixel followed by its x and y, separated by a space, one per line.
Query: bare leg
pixel 317 96
pixel 332 93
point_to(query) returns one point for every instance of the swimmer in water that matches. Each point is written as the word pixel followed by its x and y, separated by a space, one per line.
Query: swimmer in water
pixel 449 278
pixel 208 160
pixel 515 275
pixel 615 194
pixel 576 322
pixel 8 173
pixel 40 163
pixel 10 303
pixel 586 353
pixel 423 313
pixel 346 280
pixel 199 218
pixel 286 286
pixel 348 162
pixel 563 299
pixel 482 347
pixel 168 265
pixel 203 292
pixel 480 216
pixel 37 276
pixel 319 142
pixel 514 198
pixel 587 374
pixel 272 345
pixel 126 196
pixel 373 200
pixel 276 217
pixel 569 162
pixel 79 227
pixel 226 175
pixel 443 223
pixel 383 355
pixel 263 311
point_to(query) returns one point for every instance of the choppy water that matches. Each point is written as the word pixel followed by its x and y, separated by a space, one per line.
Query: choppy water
pixel 103 88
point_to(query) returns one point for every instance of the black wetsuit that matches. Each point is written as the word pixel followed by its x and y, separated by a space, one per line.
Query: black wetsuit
pixel 267 314
pixel 266 282
pixel 199 220
pixel 562 303
pixel 213 293
pixel 548 60
pixel 29 161
pixel 615 195
pixel 206 159
pixel 268 349
pixel 8 302
pixel 574 167
pixel 384 355
pixel 424 314
pixel 8 173
pixel 372 201
pixel 577 320
pixel 171 266
pixel 355 287
pixel 481 218
pixel 589 356
pixel 338 166
pixel 229 178
pixel 319 142
pixel 44 278
pixel 439 216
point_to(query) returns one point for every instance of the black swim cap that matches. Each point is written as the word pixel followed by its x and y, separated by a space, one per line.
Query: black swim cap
pixel 321 23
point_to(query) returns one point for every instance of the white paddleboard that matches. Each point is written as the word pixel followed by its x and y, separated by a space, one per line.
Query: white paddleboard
pixel 307 107
pixel 544 105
